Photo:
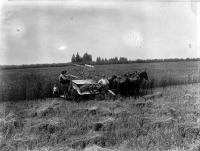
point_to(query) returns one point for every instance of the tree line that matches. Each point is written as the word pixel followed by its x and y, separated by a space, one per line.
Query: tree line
pixel 114 60
pixel 87 58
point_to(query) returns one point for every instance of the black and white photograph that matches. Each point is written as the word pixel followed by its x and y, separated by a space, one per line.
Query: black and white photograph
pixel 99 75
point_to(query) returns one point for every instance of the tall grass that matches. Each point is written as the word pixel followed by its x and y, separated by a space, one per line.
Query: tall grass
pixel 27 84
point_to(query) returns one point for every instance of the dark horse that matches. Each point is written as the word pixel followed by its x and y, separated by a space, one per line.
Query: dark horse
pixel 141 76
pixel 114 83
pixel 111 82
pixel 127 84
pixel 120 85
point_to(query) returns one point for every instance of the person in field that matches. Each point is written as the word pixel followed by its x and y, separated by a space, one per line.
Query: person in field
pixel 65 81
pixel 55 91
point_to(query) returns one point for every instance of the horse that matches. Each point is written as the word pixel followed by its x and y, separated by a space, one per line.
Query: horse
pixel 114 84
pixel 128 84
pixel 111 82
pixel 124 85
pixel 136 80
pixel 142 76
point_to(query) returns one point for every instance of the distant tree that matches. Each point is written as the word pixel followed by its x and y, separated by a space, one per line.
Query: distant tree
pixel 123 60
pixel 113 60
pixel 106 61
pixel 78 57
pixel 102 61
pixel 116 60
pixel 98 60
pixel 73 59
pixel 87 58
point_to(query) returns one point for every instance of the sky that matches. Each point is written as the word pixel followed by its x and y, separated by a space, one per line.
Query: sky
pixel 51 31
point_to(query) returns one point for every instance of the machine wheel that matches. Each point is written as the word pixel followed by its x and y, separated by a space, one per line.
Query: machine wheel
pixel 75 96
pixel 92 88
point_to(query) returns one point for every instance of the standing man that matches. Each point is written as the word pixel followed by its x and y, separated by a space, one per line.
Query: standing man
pixel 65 82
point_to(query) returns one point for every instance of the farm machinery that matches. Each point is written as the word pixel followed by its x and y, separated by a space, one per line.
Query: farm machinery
pixel 78 88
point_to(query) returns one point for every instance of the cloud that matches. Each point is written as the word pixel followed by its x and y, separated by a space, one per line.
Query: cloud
pixel 129 29
pixel 133 38
pixel 61 48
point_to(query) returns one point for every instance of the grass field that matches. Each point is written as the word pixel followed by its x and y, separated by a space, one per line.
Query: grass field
pixel 31 120
pixel 169 122
pixel 34 83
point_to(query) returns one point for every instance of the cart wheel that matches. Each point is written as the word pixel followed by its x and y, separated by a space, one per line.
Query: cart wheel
pixel 68 95
pixel 75 96
pixel 91 88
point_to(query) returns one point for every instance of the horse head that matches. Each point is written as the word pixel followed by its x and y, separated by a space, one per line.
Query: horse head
pixel 143 75
pixel 114 77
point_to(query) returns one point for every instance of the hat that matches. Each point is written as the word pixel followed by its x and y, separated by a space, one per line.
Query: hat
pixel 63 72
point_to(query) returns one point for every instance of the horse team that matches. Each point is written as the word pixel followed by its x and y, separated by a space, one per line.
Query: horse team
pixel 128 84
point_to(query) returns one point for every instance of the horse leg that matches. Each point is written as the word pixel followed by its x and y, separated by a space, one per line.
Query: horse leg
pixel 135 92
pixel 138 90
pixel 132 90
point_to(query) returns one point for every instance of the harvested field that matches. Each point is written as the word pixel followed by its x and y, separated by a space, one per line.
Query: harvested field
pixel 163 122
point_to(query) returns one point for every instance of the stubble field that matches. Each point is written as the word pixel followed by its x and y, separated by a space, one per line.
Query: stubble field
pixel 167 122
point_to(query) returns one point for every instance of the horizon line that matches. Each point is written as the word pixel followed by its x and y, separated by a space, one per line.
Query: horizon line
pixel 129 60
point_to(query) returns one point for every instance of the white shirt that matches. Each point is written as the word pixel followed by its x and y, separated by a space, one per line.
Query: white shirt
pixel 63 77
